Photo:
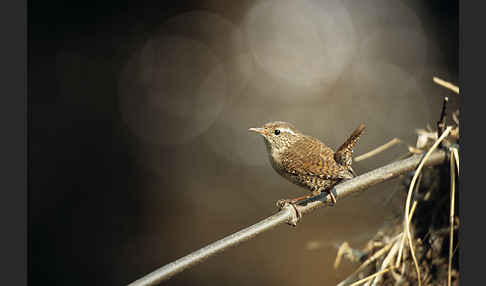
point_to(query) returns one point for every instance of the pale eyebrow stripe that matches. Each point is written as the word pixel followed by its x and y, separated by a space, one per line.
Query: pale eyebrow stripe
pixel 287 130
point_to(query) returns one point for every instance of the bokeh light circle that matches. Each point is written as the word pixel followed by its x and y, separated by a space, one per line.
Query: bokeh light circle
pixel 221 36
pixel 171 90
pixel 302 42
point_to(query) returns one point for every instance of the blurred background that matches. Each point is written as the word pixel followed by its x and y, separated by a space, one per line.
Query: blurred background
pixel 138 114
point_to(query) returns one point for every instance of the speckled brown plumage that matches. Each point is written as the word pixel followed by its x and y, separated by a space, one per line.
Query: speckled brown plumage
pixel 305 160
pixel 344 155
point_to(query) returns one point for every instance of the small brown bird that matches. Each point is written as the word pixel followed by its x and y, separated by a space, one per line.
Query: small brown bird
pixel 305 160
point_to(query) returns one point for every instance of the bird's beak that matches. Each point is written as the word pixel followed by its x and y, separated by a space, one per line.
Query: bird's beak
pixel 257 130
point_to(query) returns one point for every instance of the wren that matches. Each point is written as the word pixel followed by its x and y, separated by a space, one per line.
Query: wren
pixel 306 161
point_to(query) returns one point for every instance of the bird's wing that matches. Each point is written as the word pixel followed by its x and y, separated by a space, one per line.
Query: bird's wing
pixel 310 157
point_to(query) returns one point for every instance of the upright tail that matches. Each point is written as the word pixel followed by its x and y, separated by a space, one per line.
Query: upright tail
pixel 344 154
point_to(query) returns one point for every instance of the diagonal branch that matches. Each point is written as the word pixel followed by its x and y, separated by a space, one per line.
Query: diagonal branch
pixel 446 84
pixel 289 215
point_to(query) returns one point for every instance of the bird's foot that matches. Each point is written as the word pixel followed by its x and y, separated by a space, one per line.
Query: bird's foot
pixel 333 199
pixel 283 203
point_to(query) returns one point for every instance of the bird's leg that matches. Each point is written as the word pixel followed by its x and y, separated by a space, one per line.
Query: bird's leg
pixel 329 192
pixel 298 199
pixel 305 197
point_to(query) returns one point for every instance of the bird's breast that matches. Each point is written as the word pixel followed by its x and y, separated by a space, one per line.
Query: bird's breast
pixel 276 162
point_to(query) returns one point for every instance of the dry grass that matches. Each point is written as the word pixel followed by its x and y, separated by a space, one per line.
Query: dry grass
pixel 370 277
pixel 392 261
pixel 451 216
pixel 409 198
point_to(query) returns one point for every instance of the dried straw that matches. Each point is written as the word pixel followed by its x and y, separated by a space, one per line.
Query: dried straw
pixel 370 277
pixel 451 217
pixel 446 84
pixel 409 198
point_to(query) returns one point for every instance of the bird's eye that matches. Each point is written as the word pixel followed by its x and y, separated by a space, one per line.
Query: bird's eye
pixel 277 131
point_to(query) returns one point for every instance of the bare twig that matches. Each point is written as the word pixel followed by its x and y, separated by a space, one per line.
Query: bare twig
pixel 441 124
pixel 446 84
pixel 377 150
pixel 415 150
pixel 289 215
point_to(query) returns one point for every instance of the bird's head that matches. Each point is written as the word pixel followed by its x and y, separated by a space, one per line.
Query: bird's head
pixel 278 135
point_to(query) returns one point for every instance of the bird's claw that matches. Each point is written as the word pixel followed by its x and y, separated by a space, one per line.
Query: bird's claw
pixel 332 197
pixel 333 201
pixel 283 203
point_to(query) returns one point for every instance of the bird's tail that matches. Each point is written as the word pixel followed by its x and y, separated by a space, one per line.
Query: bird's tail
pixel 344 154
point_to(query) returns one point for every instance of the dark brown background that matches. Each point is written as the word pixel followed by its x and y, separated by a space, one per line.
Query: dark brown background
pixel 138 116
